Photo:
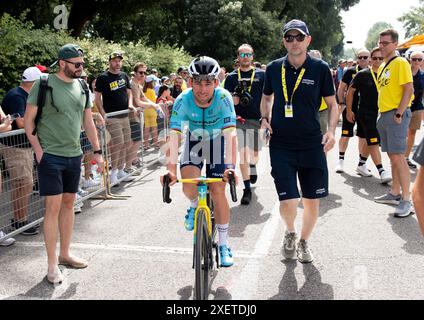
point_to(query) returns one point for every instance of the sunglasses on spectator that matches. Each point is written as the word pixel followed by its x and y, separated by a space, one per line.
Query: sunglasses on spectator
pixel 76 64
pixel 246 55
pixel 385 43
pixel 299 37
pixel 363 57
pixel 378 58
pixel 141 72
pixel 417 59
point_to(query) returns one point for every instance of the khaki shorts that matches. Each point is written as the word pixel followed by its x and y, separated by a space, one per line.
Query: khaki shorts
pixel 416 120
pixel 323 121
pixel 119 129
pixel 19 162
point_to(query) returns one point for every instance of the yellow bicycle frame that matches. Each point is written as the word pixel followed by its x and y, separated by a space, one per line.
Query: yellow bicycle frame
pixel 202 191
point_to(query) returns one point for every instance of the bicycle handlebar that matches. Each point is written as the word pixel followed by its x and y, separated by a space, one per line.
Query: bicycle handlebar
pixel 166 191
pixel 232 182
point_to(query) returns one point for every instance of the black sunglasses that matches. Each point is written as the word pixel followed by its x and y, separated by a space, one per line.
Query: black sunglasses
pixel 362 57
pixel 378 58
pixel 76 64
pixel 299 37
pixel 417 59
pixel 141 72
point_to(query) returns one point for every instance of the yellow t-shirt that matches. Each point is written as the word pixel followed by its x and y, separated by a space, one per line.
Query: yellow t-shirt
pixel 184 86
pixel 323 105
pixel 151 95
pixel 391 81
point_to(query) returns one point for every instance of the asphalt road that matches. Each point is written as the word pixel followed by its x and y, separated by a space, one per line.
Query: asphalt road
pixel 138 248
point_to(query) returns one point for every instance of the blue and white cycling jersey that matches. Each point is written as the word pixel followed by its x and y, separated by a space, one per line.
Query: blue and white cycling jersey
pixel 206 123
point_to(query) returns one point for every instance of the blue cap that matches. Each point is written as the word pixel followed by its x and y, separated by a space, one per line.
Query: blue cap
pixel 296 25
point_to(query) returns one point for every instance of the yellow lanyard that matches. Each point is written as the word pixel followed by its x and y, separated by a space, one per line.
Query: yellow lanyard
pixel 375 79
pixel 251 79
pixel 296 86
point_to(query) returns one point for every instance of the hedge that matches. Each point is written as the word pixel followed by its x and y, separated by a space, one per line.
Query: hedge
pixel 23 46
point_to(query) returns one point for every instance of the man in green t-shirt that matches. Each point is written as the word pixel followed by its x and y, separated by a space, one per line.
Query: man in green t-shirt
pixel 58 153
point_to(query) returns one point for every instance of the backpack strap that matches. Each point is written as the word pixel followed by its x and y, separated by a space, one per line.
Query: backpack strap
pixel 41 99
pixel 84 86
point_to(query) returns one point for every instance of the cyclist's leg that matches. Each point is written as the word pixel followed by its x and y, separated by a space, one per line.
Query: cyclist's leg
pixel 190 172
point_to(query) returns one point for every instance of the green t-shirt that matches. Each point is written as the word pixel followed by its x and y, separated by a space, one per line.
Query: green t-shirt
pixel 59 127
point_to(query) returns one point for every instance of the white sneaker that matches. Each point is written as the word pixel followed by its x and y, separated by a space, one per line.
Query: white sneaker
pixel 114 177
pixel 90 184
pixel 7 242
pixel 78 208
pixel 385 177
pixel 78 205
pixel 339 166
pixel 123 174
pixel 363 171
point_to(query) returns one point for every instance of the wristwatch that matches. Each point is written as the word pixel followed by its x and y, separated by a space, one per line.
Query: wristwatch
pixel 398 115
pixel 98 151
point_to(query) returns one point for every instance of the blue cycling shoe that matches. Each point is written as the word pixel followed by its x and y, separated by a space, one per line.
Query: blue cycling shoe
pixel 225 256
pixel 189 219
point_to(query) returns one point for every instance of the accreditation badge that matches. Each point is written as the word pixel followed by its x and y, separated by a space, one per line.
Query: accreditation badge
pixel 288 111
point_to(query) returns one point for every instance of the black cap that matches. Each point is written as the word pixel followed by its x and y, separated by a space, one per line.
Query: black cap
pixel 296 25
pixel 182 68
pixel 116 54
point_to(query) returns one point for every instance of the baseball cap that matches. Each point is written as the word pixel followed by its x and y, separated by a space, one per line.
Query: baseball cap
pixel 68 51
pixel 151 77
pixel 41 67
pixel 116 54
pixel 296 25
pixel 182 68
pixel 31 74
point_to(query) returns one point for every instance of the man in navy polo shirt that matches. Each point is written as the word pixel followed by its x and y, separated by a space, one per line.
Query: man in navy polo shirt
pixel 294 87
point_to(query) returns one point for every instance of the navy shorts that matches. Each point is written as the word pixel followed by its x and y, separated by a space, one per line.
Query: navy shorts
pixel 211 152
pixel 57 175
pixel 310 166
pixel 135 131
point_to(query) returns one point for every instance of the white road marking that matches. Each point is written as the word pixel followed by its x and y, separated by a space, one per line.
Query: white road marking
pixel 247 283
pixel 132 248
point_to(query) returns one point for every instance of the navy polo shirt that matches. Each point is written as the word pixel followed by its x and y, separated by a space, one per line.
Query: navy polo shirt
pixel 303 130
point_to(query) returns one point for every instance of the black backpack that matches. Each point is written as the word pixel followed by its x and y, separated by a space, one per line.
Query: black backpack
pixel 42 93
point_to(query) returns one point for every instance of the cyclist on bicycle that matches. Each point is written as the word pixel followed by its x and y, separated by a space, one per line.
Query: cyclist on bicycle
pixel 208 110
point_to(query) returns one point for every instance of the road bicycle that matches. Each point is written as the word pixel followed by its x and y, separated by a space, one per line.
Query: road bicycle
pixel 205 247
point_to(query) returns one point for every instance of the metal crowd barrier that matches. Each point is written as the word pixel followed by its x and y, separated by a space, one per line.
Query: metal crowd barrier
pixel 21 207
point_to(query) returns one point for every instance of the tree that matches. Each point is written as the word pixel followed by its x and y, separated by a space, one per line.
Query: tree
pixel 374 32
pixel 215 27
pixel 413 21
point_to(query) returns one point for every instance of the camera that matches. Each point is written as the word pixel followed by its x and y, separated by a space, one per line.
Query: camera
pixel 242 91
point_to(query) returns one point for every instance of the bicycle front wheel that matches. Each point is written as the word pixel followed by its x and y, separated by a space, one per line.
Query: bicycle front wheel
pixel 201 258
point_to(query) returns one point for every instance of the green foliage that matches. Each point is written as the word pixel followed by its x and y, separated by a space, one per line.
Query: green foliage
pixel 23 46
pixel 413 21
pixel 374 32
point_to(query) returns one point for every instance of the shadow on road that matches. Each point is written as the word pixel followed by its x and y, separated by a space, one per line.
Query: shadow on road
pixel 409 230
pixel 242 216
pixel 366 187
pixel 312 289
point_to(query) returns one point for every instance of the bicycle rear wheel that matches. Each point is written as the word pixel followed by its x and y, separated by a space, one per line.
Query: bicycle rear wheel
pixel 201 258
